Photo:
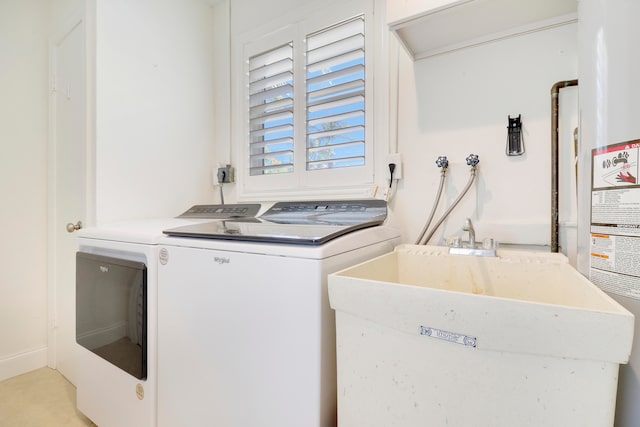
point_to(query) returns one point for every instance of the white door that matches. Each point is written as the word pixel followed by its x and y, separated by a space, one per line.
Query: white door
pixel 68 202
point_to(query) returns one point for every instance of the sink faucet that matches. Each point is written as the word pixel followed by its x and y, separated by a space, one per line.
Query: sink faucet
pixel 468 226
pixel 488 247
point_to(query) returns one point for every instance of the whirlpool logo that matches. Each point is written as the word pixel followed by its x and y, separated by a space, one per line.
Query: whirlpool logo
pixel 221 260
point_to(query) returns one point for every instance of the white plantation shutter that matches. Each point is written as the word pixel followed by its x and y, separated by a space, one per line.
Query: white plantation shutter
pixel 335 96
pixel 271 116
pixel 303 104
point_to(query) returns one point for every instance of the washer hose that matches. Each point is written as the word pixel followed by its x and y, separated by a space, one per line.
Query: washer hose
pixel 473 161
pixel 443 163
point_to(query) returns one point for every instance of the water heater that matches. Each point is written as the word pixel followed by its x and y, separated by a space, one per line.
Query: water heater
pixel 608 187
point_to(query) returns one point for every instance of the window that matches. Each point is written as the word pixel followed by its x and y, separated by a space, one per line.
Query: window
pixel 307 105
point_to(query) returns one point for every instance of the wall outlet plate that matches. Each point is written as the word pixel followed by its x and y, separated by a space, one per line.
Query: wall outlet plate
pixel 225 174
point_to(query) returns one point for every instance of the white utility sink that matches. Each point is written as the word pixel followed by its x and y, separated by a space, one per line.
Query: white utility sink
pixel 522 339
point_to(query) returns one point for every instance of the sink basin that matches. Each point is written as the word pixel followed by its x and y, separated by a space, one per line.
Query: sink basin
pixel 518 339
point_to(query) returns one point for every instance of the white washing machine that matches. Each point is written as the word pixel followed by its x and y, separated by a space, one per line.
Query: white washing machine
pixel 116 315
pixel 246 337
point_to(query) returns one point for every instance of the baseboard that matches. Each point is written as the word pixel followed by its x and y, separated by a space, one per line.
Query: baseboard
pixel 23 362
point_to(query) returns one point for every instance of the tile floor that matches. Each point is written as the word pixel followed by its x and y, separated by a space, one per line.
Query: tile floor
pixel 41 398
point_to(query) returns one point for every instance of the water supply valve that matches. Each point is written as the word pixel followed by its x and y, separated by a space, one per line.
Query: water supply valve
pixel 473 160
pixel 442 162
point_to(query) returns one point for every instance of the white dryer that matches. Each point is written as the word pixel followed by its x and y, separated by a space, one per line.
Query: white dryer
pixel 246 336
pixel 116 315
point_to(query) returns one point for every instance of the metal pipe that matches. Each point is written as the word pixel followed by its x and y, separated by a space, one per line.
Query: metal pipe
pixel 555 108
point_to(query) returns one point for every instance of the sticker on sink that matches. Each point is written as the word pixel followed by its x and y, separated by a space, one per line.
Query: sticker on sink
pixel 448 336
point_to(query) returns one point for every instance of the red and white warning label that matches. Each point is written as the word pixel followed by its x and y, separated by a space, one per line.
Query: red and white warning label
pixel 615 219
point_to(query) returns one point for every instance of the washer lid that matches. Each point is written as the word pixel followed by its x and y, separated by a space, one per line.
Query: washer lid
pixel 301 223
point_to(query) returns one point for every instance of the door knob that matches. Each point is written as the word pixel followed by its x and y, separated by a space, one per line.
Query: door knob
pixel 73 227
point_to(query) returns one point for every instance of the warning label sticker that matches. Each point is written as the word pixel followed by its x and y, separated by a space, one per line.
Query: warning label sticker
pixel 616 165
pixel 615 219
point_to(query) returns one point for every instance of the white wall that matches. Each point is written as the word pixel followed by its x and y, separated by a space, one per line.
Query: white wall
pixel 23 187
pixel 247 15
pixel 154 107
pixel 63 12
pixel 458 103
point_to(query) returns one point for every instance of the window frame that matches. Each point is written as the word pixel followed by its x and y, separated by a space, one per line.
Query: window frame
pixel 345 182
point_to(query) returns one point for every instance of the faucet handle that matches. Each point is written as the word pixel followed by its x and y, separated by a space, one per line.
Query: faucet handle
pixel 489 243
pixel 454 242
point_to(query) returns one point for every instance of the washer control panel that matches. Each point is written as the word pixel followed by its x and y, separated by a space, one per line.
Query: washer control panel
pixel 222 211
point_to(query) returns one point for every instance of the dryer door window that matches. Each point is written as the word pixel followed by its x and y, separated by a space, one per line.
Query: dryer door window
pixel 111 310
